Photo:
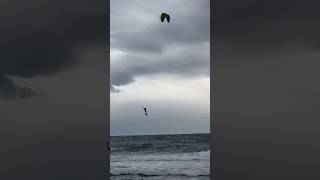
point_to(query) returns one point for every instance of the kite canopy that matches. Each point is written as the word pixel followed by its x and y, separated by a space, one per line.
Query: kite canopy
pixel 165 16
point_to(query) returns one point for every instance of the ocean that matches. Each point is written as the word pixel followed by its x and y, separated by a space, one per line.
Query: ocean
pixel 160 157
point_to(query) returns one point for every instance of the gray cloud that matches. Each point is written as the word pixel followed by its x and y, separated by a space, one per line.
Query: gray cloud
pixel 187 28
pixel 180 47
pixel 266 90
pixel 33 45
pixel 59 46
pixel 248 28
pixel 190 61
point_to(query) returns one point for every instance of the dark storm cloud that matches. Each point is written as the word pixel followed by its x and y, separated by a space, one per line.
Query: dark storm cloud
pixel 58 45
pixel 40 38
pixel 267 26
pixel 179 48
pixel 266 90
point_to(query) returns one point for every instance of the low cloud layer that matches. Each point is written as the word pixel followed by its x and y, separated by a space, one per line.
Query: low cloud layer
pixel 9 90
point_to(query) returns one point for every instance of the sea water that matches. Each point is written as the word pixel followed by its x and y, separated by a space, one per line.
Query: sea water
pixel 157 157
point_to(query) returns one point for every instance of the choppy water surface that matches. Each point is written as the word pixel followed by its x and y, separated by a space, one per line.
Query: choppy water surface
pixel 157 157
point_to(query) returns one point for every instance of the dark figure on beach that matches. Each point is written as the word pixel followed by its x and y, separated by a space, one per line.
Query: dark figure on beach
pixel 145 111
pixel 108 146
pixel 165 16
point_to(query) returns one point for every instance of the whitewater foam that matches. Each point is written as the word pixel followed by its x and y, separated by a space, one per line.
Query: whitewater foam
pixel 182 164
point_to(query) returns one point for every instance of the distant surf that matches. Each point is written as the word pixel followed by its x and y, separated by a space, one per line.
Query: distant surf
pixel 155 157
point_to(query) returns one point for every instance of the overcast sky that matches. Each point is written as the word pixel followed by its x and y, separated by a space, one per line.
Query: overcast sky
pixel 52 89
pixel 266 89
pixel 164 66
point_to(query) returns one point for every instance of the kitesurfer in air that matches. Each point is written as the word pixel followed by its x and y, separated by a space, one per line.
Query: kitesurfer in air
pixel 145 110
pixel 163 16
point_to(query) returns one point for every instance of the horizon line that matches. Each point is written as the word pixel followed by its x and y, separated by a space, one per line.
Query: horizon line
pixel 159 134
